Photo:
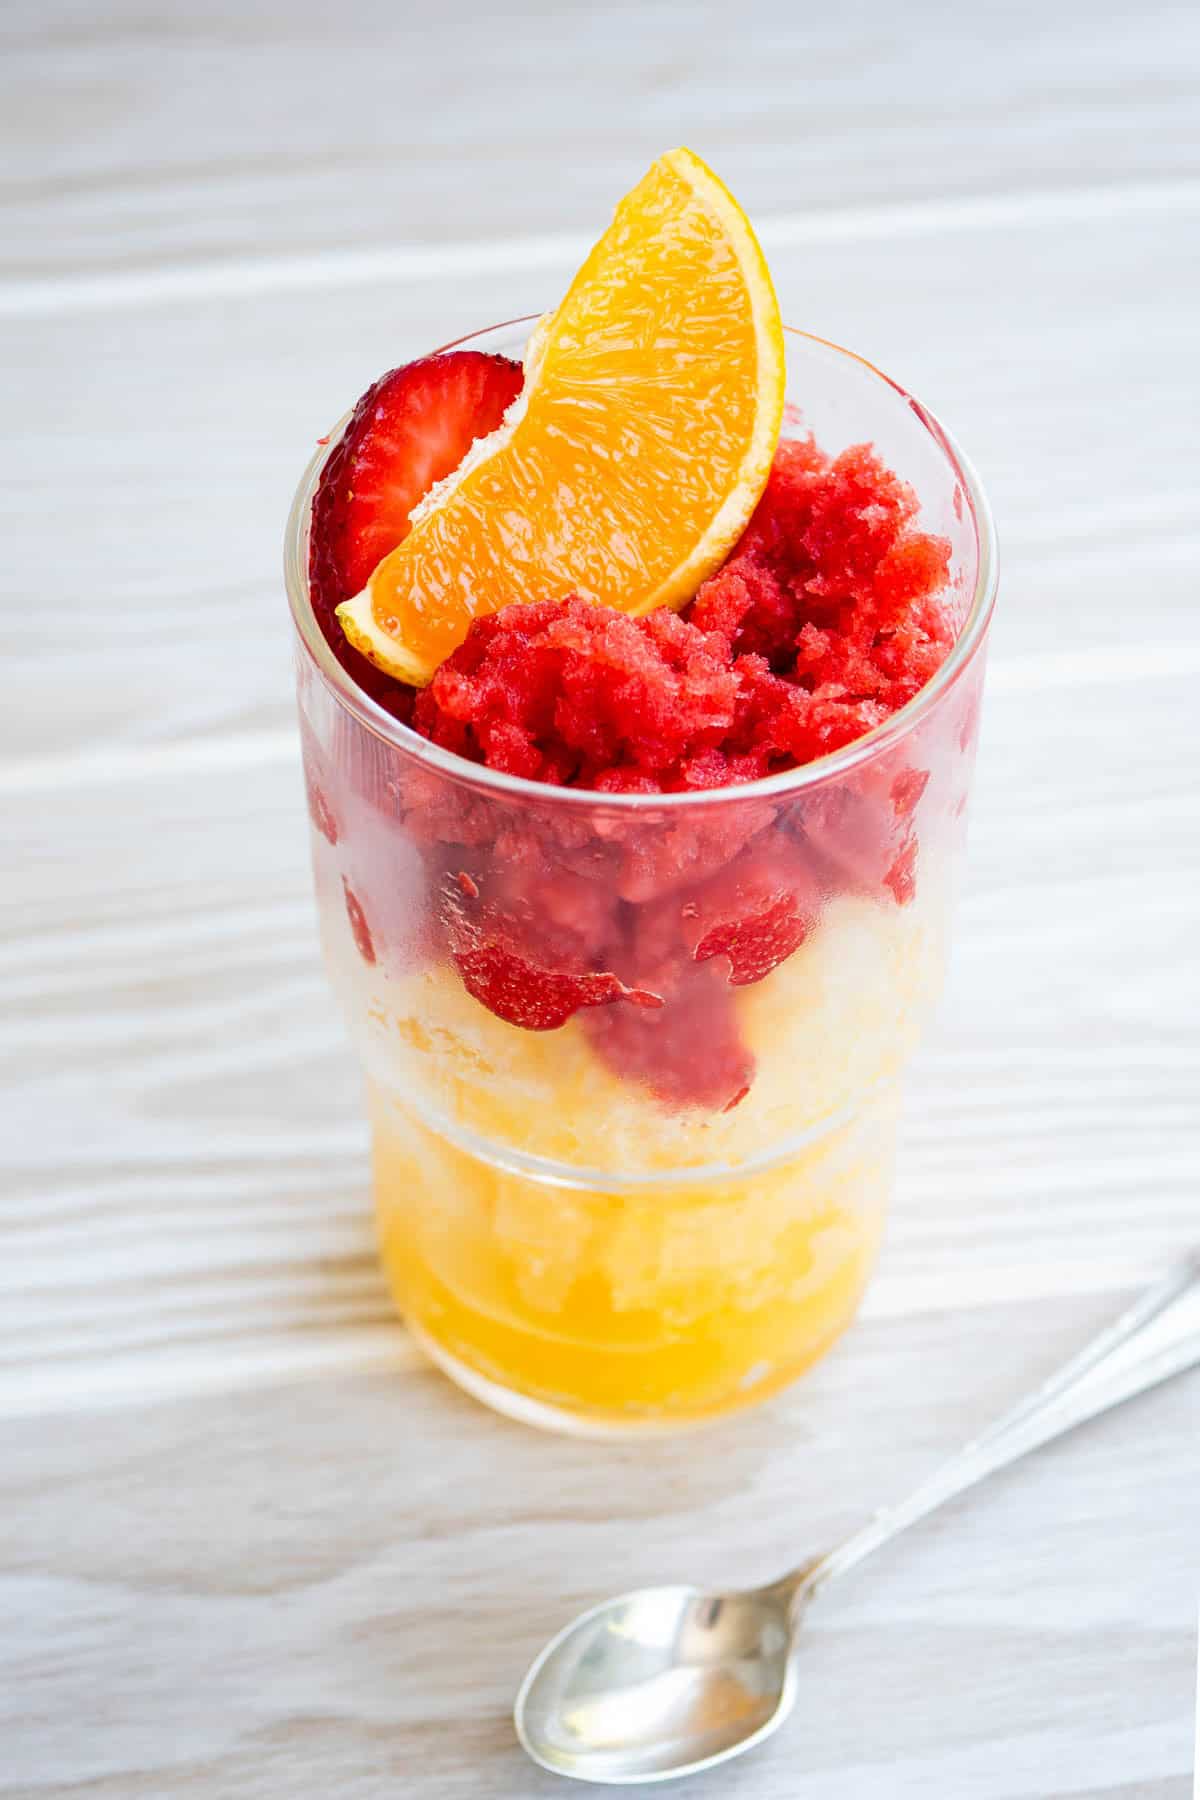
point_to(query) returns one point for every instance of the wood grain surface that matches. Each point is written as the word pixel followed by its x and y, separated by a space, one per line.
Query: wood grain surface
pixel 250 1546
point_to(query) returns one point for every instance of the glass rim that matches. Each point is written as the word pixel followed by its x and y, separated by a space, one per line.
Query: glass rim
pixel 402 738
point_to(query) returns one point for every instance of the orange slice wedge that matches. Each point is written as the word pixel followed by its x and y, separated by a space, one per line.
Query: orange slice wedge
pixel 636 451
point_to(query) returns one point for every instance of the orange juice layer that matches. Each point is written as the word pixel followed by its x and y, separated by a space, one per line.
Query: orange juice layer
pixel 564 1236
pixel 671 1301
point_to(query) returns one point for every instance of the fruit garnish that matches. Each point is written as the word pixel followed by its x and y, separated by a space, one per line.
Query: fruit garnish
pixel 411 429
pixel 641 444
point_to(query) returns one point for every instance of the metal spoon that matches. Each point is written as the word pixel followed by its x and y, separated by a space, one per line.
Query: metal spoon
pixel 667 1681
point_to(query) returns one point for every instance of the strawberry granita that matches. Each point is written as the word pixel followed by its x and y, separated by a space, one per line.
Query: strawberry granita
pixel 826 619
pixel 828 616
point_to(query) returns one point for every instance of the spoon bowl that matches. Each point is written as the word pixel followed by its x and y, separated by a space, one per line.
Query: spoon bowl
pixel 659 1683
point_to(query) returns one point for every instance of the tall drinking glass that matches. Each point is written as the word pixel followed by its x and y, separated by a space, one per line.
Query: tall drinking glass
pixel 634 1062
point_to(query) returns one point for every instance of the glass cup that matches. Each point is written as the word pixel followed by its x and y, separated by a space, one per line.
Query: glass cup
pixel 634 1062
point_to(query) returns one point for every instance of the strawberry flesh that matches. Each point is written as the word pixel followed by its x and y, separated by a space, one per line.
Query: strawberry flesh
pixel 359 928
pixel 411 429
pixel 754 914
pixel 688 1051
pixel 534 998
pixel 319 809
pixel 487 946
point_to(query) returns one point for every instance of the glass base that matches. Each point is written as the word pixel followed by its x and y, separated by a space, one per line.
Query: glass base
pixel 527 1411
pixel 611 1426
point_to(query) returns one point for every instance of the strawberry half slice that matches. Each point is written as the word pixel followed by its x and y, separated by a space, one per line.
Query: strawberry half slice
pixel 411 429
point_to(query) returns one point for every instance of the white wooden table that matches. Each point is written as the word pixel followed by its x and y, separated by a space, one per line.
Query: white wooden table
pixel 249 1545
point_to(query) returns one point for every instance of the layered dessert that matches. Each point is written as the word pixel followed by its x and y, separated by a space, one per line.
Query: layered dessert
pixel 637 731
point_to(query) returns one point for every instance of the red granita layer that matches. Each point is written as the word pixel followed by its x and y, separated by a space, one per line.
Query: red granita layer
pixel 689 1051
pixel 829 615
pixel 824 620
pixel 526 953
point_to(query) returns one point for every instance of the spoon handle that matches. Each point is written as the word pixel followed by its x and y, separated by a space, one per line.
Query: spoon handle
pixel 1158 1336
